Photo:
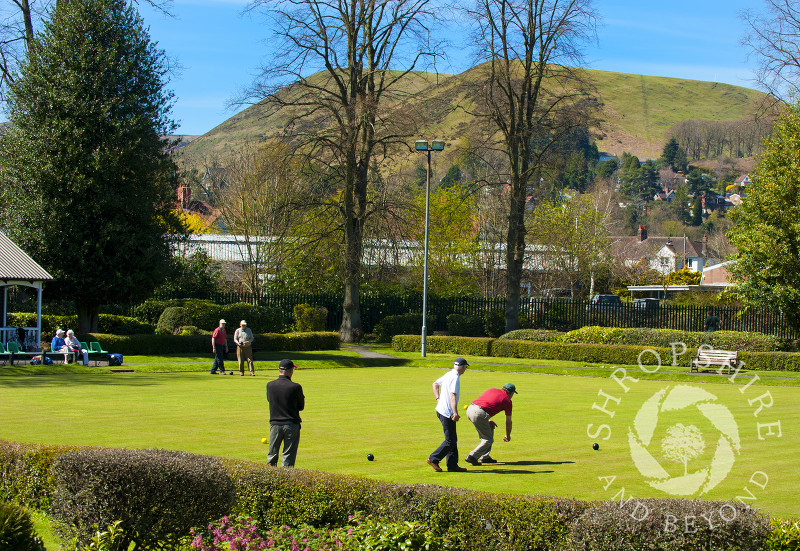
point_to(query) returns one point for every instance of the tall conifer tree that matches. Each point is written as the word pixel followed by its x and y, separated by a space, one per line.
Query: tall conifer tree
pixel 87 186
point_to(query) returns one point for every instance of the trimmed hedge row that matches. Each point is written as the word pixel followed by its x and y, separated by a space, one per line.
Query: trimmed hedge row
pixel 726 340
pixel 591 353
pixel 201 344
pixel 159 491
pixel 107 323
pixel 472 346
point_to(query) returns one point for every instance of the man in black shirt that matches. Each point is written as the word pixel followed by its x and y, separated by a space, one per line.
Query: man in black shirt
pixel 286 401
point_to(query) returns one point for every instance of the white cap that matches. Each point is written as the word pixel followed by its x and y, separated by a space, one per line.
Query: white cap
pixel 242 322
pixel 222 321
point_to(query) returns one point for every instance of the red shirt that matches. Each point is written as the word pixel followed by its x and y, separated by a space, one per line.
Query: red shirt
pixel 493 401
pixel 220 336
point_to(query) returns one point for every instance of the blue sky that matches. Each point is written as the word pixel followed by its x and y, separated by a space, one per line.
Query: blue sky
pixel 220 48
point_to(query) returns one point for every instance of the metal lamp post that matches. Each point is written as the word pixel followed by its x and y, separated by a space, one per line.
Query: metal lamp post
pixel 423 145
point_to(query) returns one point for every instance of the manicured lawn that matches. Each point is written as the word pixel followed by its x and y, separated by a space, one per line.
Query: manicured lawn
pixel 174 403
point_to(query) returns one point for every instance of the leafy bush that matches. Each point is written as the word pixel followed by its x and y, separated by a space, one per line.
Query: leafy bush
pixel 494 323
pixel 784 535
pixel 669 525
pixel 189 330
pixel 595 335
pixel 401 324
pixel 367 534
pixel 462 346
pixel 158 495
pixel 172 319
pixel 16 529
pixel 206 314
pixel 309 318
pixel 461 325
pixel 537 335
pixel 25 472
pixel 150 310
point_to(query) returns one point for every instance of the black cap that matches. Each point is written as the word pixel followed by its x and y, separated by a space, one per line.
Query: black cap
pixel 286 364
pixel 460 362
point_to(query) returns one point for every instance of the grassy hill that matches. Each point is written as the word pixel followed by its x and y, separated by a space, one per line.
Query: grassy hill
pixel 637 112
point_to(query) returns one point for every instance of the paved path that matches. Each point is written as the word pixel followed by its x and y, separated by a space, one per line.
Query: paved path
pixel 365 352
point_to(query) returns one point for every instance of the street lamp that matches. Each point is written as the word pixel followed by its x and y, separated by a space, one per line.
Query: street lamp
pixel 424 145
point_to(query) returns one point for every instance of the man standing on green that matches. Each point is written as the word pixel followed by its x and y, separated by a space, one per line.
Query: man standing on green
pixel 243 337
pixel 219 345
pixel 286 401
pixel 446 390
pixel 711 323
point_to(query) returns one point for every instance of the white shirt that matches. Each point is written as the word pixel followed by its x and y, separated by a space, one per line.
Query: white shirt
pixel 449 383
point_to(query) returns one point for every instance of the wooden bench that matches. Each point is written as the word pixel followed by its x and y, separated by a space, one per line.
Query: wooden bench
pixel 708 358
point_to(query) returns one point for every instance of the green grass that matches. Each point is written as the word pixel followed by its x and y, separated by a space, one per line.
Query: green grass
pixel 351 411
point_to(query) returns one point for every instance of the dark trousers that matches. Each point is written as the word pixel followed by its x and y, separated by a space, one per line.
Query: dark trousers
pixel 219 360
pixel 449 448
pixel 290 436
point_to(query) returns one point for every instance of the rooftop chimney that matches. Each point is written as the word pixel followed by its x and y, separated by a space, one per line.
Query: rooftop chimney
pixel 184 196
pixel 642 233
pixel 704 251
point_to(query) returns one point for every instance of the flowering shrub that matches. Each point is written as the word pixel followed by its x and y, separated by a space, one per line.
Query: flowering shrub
pixel 242 534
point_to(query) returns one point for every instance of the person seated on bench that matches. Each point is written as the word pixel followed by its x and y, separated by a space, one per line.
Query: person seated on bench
pixel 58 344
pixel 75 346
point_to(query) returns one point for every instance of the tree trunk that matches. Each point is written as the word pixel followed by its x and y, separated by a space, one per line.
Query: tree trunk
pixel 515 254
pixel 88 316
pixel 350 330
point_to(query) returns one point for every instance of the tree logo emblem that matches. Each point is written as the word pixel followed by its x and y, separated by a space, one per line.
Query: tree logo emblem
pixel 682 443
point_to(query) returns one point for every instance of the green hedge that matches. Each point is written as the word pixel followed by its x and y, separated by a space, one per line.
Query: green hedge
pixel 206 314
pixel 109 484
pixel 465 346
pixel 538 335
pixel 107 323
pixel 201 344
pixel 158 495
pixel 725 340
pixel 579 352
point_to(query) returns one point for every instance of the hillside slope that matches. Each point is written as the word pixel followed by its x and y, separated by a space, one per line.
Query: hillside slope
pixel 637 112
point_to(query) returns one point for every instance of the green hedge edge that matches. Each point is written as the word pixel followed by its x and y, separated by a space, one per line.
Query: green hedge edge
pixel 581 352
pixel 465 519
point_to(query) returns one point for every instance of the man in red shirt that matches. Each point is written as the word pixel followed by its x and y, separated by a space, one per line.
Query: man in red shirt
pixel 480 412
pixel 219 345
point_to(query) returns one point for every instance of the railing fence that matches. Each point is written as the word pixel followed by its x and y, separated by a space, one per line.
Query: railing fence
pixel 557 314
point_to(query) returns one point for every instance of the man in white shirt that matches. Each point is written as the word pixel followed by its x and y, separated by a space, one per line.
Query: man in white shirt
pixel 446 390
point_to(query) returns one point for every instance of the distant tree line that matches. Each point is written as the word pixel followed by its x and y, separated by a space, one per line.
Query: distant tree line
pixel 702 139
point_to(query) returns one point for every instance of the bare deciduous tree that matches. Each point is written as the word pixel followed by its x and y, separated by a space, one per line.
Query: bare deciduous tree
pixel 530 98
pixel 340 116
pixel 256 205
pixel 774 38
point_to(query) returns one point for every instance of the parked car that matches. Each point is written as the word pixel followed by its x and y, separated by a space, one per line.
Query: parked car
pixel 604 301
pixel 646 303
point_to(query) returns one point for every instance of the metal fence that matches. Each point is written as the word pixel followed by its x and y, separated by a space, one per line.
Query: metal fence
pixel 563 315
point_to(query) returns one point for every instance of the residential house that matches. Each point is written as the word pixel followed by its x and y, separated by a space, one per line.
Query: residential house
pixel 663 254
